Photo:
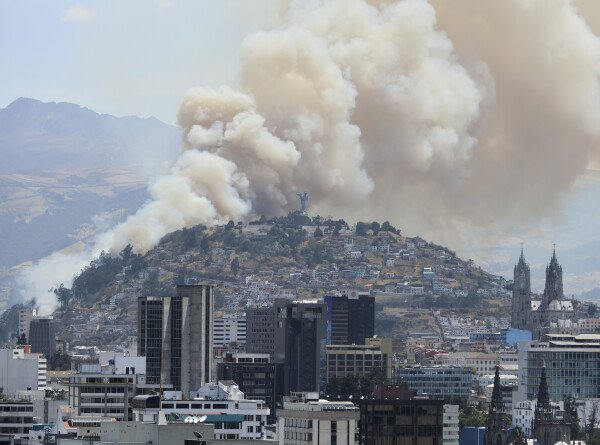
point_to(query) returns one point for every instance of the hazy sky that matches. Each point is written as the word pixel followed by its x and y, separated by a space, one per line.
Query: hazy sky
pixel 121 57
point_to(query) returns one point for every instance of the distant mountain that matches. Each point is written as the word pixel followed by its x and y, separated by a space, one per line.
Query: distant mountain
pixel 67 171
pixel 35 135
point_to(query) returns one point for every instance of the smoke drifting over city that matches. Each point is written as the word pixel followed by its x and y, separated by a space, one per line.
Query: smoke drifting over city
pixel 429 115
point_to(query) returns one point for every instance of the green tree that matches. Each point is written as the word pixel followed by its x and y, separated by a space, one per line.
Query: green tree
pixel 22 339
pixel 361 229
pixel 235 266
pixel 318 233
pixel 204 244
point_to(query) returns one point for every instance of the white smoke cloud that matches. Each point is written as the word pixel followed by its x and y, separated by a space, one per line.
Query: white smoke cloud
pixel 440 117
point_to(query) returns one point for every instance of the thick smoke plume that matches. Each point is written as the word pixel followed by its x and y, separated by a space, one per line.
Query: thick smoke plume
pixel 439 116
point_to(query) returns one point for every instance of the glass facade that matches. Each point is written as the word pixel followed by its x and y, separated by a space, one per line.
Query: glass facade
pixel 438 381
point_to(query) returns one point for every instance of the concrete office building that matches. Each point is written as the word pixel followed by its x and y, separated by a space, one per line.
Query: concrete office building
pixel 300 336
pixel 438 381
pixel 229 329
pixel 375 355
pixel 350 319
pixel 175 336
pixel 572 367
pixel 16 419
pixel 304 419
pixel 21 370
pixel 42 335
pixel 260 330
pixel 25 316
pixel 257 376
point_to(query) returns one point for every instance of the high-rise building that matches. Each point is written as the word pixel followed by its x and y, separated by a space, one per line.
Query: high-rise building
pixel 25 316
pixel 256 375
pixel 260 330
pixel 300 337
pixel 175 336
pixel 350 319
pixel 42 336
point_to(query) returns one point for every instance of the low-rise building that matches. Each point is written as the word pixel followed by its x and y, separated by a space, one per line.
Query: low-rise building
pixel 438 381
pixel 221 404
pixel 359 360
pixel 392 416
pixel 307 420
pixel 482 363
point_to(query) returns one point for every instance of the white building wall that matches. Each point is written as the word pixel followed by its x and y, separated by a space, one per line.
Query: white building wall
pixel 450 425
pixel 21 371
pixel 230 328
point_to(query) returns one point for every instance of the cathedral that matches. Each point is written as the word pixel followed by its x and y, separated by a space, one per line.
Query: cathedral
pixel 553 313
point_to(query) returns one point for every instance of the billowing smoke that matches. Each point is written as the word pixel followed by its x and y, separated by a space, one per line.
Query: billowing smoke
pixel 441 117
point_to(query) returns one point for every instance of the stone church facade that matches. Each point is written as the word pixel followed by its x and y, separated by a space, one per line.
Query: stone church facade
pixel 553 313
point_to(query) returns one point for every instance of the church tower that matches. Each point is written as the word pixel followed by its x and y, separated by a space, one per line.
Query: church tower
pixel 546 428
pixel 521 298
pixel 496 426
pixel 553 290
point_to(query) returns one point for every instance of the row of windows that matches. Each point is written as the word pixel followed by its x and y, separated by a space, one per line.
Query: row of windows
pixel 298 423
pixel 195 405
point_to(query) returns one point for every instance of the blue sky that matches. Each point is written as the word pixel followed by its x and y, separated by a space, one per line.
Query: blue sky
pixel 121 57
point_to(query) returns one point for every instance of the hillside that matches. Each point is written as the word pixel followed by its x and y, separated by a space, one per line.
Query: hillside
pixel 67 172
pixel 66 169
pixel 292 257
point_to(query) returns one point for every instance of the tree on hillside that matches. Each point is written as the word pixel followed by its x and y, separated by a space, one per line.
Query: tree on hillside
pixel 204 244
pixel 188 239
pixel 63 295
pixel 235 266
pixel 318 233
pixel 361 229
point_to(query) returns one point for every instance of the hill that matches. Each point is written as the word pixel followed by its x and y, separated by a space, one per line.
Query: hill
pixel 291 257
pixel 68 171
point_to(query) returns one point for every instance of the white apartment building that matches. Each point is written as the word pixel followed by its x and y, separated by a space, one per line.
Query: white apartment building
pixel 307 420
pixel 106 391
pixel 21 370
pixel 223 404
pixel 451 425
pixel 230 328
pixel 523 414
pixel 481 362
